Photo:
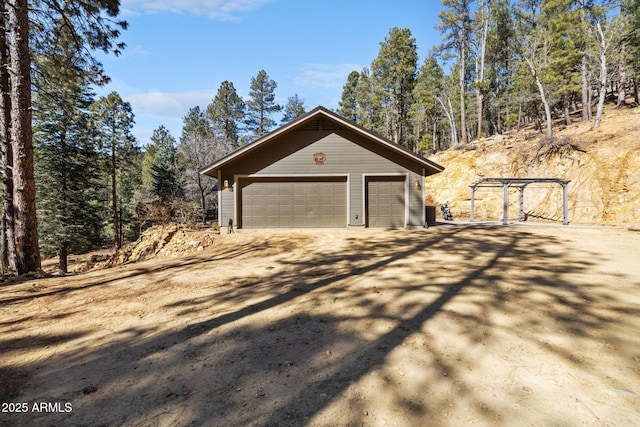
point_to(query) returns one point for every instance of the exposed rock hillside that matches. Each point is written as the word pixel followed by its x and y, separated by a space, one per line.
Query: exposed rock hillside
pixel 603 167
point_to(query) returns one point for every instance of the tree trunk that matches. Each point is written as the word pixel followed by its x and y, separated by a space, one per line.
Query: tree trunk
pixel 24 196
pixel 7 256
pixel 543 98
pixel 114 197
pixel 602 92
pixel 584 69
pixel 567 113
pixel 63 254
pixel 452 123
pixel 203 201
pixel 586 90
pixel 434 135
pixel 480 68
pixel 463 90
pixel 622 79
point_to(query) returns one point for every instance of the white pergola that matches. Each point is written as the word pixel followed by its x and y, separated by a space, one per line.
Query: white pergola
pixel 520 184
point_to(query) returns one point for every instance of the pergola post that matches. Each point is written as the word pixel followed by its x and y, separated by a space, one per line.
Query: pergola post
pixel 473 196
pixel 565 203
pixel 521 204
pixel 505 203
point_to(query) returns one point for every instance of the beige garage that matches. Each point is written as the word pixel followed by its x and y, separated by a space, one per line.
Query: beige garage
pixel 321 171
pixel 385 201
pixel 293 203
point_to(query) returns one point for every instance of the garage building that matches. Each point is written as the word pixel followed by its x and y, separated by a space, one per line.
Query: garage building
pixel 321 171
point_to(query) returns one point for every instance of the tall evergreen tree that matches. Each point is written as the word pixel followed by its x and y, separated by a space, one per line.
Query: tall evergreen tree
pixel 225 113
pixel 630 12
pixel 8 255
pixel 480 30
pixel 114 119
pixel 25 224
pixel 67 171
pixel 164 169
pixel 455 24
pixel 293 109
pixel 369 102
pixel 93 26
pixel 500 67
pixel 69 202
pixel 530 43
pixel 198 148
pixel 262 104
pixel 195 122
pixel 424 112
pixel 563 26
pixel 348 101
pixel 394 70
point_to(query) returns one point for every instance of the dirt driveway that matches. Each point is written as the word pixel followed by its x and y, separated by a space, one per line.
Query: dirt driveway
pixel 445 326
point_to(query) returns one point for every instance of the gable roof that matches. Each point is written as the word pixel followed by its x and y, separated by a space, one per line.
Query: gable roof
pixel 431 167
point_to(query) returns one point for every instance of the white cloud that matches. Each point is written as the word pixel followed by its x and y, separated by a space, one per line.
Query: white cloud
pixel 165 105
pixel 155 108
pixel 223 10
pixel 137 51
pixel 328 76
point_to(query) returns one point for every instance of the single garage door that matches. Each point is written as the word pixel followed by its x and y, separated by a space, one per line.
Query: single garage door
pixel 385 202
pixel 293 203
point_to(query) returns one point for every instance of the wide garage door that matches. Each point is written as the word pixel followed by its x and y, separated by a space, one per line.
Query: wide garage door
pixel 293 203
pixel 385 202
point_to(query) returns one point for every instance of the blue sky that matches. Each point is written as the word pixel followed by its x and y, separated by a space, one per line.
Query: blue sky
pixel 179 51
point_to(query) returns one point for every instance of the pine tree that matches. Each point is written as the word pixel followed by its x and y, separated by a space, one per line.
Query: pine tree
pixel 25 228
pixel 129 187
pixel 455 25
pixel 195 122
pixel 198 148
pixel 348 101
pixel 164 169
pixel 369 102
pixel 261 104
pixel 293 109
pixel 563 26
pixel 530 43
pixel 92 26
pixel 630 13
pixel 501 67
pixel 67 171
pixel 69 204
pixel 225 113
pixel 394 71
pixel 8 258
pixel 424 112
pixel 481 21
pixel 113 118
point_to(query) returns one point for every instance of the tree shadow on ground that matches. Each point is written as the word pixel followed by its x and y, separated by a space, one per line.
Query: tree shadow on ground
pixel 390 327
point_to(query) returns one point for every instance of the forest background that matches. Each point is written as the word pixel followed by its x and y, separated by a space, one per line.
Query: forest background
pixel 74 178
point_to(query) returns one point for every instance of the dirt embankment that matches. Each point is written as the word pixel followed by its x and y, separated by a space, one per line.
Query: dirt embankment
pixel 160 241
pixel 603 167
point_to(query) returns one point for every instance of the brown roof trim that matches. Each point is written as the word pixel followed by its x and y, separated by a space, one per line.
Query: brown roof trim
pixel 319 111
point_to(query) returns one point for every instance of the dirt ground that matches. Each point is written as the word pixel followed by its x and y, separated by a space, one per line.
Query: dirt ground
pixel 447 326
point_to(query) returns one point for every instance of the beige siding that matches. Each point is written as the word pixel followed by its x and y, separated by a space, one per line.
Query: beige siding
pixel 227 206
pixel 345 154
